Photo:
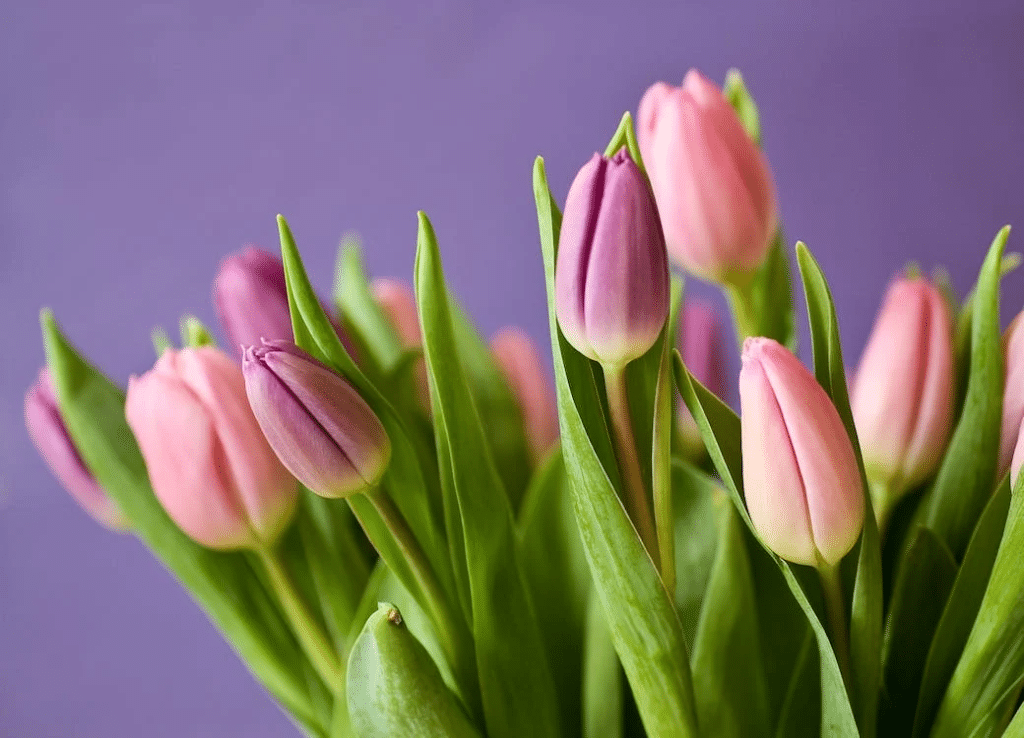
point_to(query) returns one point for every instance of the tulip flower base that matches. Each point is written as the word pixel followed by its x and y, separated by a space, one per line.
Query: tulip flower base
pixel 404 531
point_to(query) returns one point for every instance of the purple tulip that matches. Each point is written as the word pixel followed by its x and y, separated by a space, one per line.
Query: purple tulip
pixel 316 422
pixel 611 278
pixel 800 475
pixel 902 400
pixel 700 344
pixel 50 436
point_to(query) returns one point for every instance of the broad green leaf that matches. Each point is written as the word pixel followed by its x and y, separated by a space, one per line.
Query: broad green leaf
pixel 404 479
pixel 961 608
pixel 866 609
pixel 394 687
pixel 992 663
pixel 966 477
pixel 800 713
pixel 602 678
pixel 720 428
pixel 913 616
pixel 515 680
pixel 225 585
pixel 641 615
pixel 194 333
pixel 728 678
pixel 555 568
pixel 696 540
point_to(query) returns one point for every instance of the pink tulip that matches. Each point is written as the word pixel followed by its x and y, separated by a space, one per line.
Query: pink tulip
pixel 209 463
pixel 399 305
pixel 902 400
pixel 611 277
pixel 800 474
pixel 51 438
pixel 700 344
pixel 712 183
pixel 519 361
pixel 1013 396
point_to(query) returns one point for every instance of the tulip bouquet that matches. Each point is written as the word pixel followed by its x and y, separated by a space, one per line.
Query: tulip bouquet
pixel 400 534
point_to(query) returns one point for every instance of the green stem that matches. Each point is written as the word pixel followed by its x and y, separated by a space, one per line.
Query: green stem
pixel 625 449
pixel 312 638
pixel 454 636
pixel 835 609
pixel 741 301
pixel 882 502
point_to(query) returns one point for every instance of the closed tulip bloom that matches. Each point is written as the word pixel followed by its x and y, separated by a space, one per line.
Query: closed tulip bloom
pixel 399 305
pixel 712 183
pixel 1013 395
pixel 519 361
pixel 316 422
pixel 611 277
pixel 210 466
pixel 49 434
pixel 800 474
pixel 700 344
pixel 251 298
pixel 902 400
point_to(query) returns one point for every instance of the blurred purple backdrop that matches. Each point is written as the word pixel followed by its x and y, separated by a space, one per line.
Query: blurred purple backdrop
pixel 142 141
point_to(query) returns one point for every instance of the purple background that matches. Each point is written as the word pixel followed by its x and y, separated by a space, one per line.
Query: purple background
pixel 140 142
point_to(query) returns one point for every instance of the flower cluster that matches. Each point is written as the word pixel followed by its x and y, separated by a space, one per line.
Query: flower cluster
pixel 531 543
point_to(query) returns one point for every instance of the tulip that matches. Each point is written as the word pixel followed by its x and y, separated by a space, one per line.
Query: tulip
pixel 519 361
pixel 251 298
pixel 712 183
pixel 315 421
pixel 51 438
pixel 800 473
pixel 1013 396
pixel 399 305
pixel 902 401
pixel 700 344
pixel 611 278
pixel 210 466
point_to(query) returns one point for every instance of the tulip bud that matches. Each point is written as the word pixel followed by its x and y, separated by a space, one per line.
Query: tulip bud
pixel 315 421
pixel 251 297
pixel 399 305
pixel 902 400
pixel 700 345
pixel 517 356
pixel 800 474
pixel 50 436
pixel 210 466
pixel 712 183
pixel 611 278
pixel 1013 396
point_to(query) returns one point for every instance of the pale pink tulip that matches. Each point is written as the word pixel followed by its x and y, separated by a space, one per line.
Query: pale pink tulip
pixel 209 463
pixel 713 185
pixel 51 438
pixel 519 361
pixel 800 474
pixel 902 400
pixel 1013 395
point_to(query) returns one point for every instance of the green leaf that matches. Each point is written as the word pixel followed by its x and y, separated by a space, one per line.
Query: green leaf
pixel 913 616
pixel 966 477
pixel 736 93
pixel 515 681
pixel 625 136
pixel 194 333
pixel 728 678
pixel 961 608
pixel 800 713
pixel 641 615
pixel 1016 727
pixel 161 341
pixel 720 428
pixel 866 609
pixel 225 585
pixel 992 663
pixel 555 568
pixel 602 678
pixel 394 687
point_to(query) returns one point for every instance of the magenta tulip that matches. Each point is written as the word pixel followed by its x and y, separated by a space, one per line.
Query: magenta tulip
pixel 316 422
pixel 210 466
pixel 902 400
pixel 712 183
pixel 700 344
pixel 611 277
pixel 1013 395
pixel 800 474
pixel 519 361
pixel 51 438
